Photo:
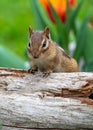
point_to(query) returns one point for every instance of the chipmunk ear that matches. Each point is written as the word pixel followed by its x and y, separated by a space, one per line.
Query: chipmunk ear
pixel 30 30
pixel 47 32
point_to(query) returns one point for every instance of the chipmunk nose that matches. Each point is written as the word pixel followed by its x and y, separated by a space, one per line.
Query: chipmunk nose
pixel 35 55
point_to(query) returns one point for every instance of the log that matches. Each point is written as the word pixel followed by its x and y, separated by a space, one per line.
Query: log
pixel 60 101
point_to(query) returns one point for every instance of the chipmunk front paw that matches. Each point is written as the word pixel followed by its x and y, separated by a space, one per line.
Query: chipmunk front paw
pixel 33 69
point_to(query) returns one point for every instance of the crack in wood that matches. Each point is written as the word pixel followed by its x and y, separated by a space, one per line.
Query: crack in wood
pixel 13 74
pixel 87 101
pixel 14 126
pixel 26 128
pixel 13 70
pixel 31 128
pixel 85 91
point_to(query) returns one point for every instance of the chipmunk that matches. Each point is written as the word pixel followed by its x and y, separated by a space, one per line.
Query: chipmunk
pixel 46 55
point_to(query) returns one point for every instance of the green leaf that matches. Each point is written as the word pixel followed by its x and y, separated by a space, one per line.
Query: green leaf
pixel 39 21
pixel 71 16
pixel 81 40
pixel 43 14
pixel 88 48
pixel 63 38
pixel 88 67
pixel 10 60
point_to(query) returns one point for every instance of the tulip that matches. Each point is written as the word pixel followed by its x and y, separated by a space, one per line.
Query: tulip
pixel 59 6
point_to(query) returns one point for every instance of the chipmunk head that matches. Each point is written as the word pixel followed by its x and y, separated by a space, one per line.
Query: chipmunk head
pixel 38 42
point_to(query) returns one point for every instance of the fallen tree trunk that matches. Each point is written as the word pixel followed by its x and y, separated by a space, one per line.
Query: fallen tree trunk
pixel 62 100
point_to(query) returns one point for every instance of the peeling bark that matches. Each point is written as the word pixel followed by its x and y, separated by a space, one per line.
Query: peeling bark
pixel 59 101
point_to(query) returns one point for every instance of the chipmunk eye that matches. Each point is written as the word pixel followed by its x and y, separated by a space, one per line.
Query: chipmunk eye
pixel 44 44
pixel 29 44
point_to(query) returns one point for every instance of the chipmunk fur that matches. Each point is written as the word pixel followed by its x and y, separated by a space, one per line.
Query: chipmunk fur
pixel 46 55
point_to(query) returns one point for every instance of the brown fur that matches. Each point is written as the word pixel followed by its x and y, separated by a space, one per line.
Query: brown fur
pixel 51 59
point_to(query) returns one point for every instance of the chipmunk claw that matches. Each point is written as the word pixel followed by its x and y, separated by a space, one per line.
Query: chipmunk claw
pixel 46 74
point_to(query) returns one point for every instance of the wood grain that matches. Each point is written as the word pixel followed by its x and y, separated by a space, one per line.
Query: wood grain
pixel 59 101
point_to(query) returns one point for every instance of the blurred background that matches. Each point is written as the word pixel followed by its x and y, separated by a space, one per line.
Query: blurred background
pixel 70 23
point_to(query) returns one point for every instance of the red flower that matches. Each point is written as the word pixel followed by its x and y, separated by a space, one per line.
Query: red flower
pixel 59 6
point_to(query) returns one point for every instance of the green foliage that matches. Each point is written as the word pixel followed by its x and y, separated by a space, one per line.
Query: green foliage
pixel 88 51
pixel 14 21
pixel 71 17
pixel 37 13
pixel 88 67
pixel 15 18
pixel 81 40
pixel 10 60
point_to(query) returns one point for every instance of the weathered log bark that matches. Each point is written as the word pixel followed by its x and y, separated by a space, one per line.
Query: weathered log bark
pixel 59 101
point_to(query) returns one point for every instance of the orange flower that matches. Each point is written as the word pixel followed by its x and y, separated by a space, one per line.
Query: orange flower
pixel 59 6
